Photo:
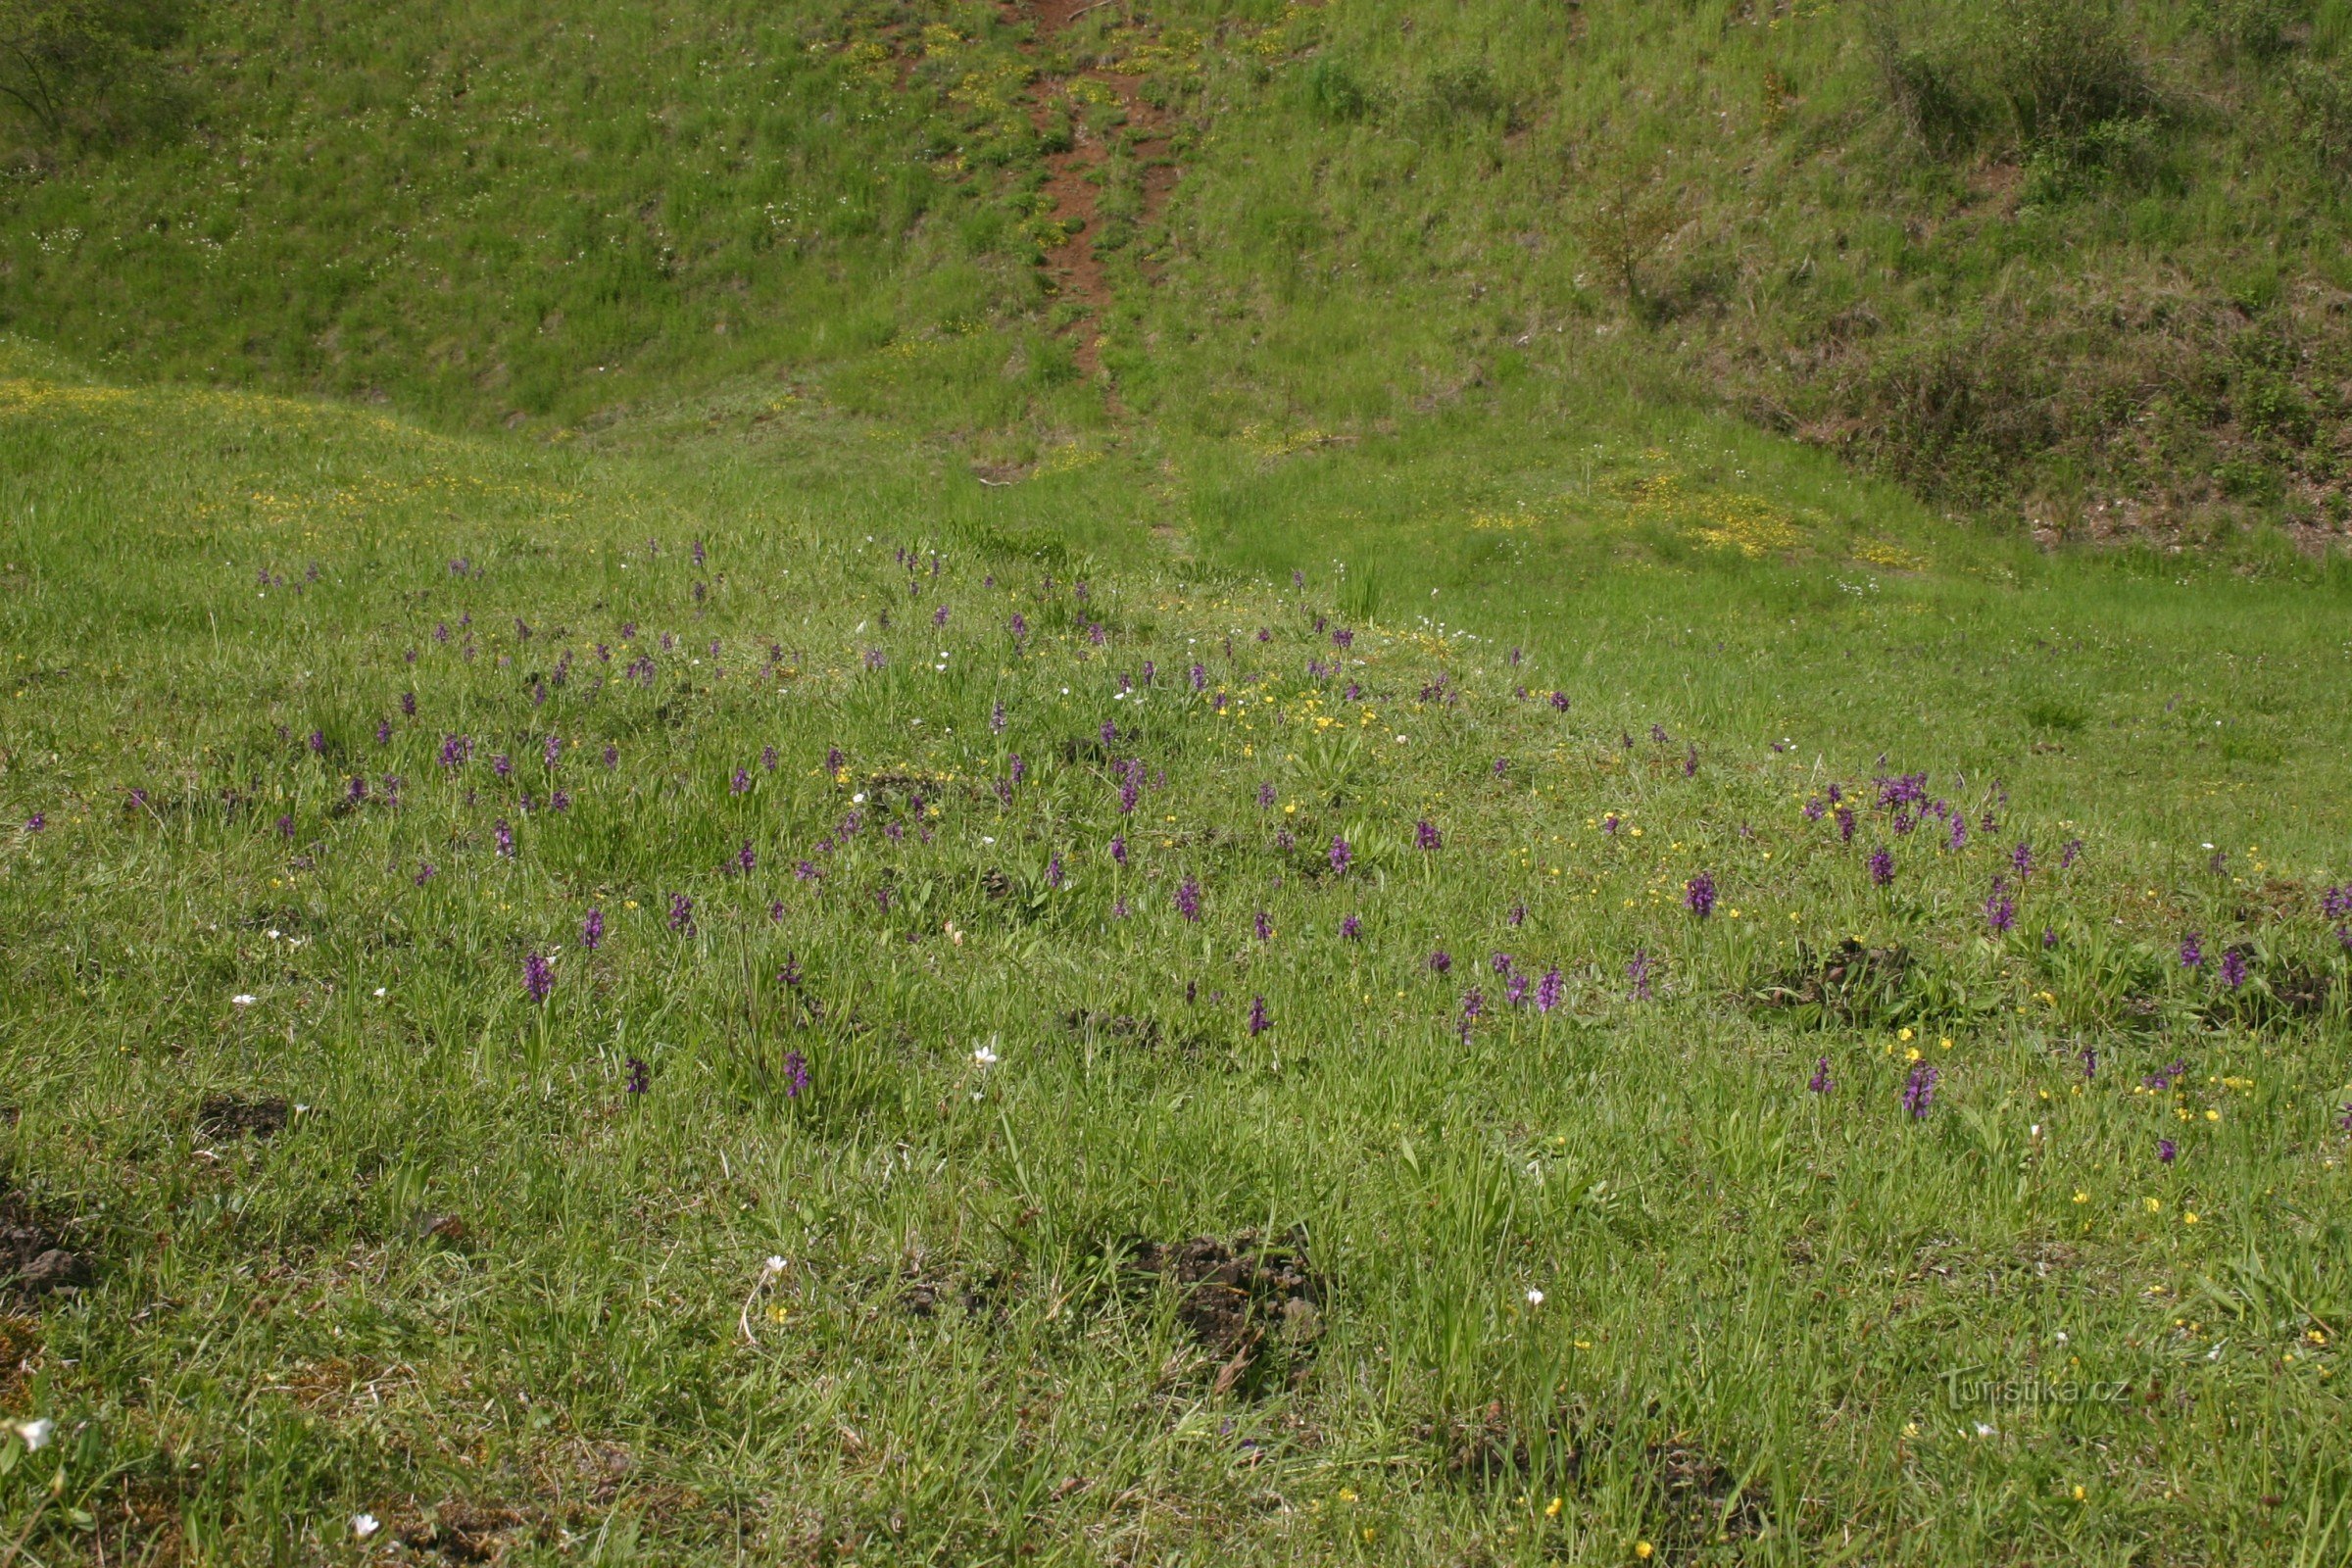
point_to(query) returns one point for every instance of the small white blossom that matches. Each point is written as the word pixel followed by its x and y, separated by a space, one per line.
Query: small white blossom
pixel 985 1055
pixel 35 1433
pixel 243 998
pixel 364 1525
pixel 1535 1297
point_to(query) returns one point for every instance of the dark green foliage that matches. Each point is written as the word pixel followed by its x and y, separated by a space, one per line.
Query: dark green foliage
pixel 91 71
pixel 2258 31
pixel 1335 94
pixel 2066 67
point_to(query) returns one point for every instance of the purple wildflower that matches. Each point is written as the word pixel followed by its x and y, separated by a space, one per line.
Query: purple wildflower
pixel 1260 1021
pixel 1129 794
pixel 1118 847
pixel 1516 915
pixel 640 1076
pixel 538 977
pixel 1187 899
pixel 1425 835
pixel 1263 925
pixel 1636 969
pixel 424 872
pixel 1821 1082
pixel 1559 702
pixel 1440 961
pixel 2166 1151
pixel 2162 1078
pixel 1919 1091
pixel 1514 990
pixel 2021 859
pixel 611 757
pixel 1548 990
pixel 996 719
pixel 2337 903
pixel 455 750
pixel 2000 909
pixel 318 742
pixel 2090 1061
pixel 1118 909
pixel 1019 629
pixel 1351 927
pixel 408 705
pixel 383 732
pixel 1698 894
pixel 2233 969
pixel 2192 951
pixel 2067 855
pixel 1846 824
pixel 1502 963
pixel 1340 854
pixel 503 837
pixel 789 976
pixel 1054 873
pixel 1882 866
pixel 1265 795
pixel 746 858
pixel 1286 841
pixel 681 914
pixel 592 930
pixel 1959 835
pixel 796 1075
pixel 740 783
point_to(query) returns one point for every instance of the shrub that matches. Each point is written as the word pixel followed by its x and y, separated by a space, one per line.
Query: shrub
pixel 2324 103
pixel 91 71
pixel 2066 69
pixel 1334 93
pixel 1464 93
pixel 2255 29
pixel 1930 89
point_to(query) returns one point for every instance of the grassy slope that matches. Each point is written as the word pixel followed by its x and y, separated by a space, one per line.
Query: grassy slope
pixel 1743 1282
pixel 495 213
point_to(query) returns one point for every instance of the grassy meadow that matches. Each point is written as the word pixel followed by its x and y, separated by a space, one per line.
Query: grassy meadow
pixel 601 1006
pixel 1221 782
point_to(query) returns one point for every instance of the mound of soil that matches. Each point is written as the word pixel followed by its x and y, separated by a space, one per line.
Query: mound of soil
pixel 36 1260
pixel 1847 984
pixel 1256 1306
pixel 225 1116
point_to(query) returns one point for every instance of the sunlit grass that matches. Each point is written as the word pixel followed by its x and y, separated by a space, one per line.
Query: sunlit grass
pixel 1576 1227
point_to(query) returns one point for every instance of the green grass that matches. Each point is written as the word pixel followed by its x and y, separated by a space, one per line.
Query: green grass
pixel 479 1290
pixel 2127 327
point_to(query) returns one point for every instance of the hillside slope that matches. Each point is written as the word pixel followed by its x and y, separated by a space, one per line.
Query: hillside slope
pixel 2064 262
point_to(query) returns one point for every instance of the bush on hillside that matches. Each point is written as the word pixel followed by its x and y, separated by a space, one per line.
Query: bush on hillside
pixel 91 72
pixel 2253 29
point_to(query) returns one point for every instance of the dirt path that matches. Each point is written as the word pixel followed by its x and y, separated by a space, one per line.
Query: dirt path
pixel 1073 268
